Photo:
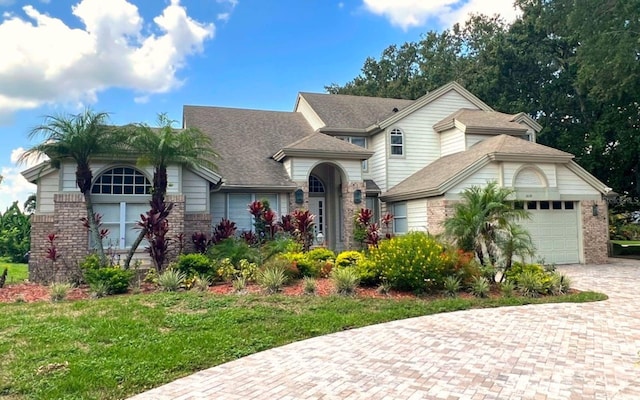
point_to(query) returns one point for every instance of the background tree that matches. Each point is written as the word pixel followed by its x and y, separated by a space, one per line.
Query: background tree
pixel 160 147
pixel 81 138
pixel 15 231
pixel 573 65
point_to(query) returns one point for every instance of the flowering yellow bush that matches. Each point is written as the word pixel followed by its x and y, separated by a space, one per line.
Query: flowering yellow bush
pixel 415 261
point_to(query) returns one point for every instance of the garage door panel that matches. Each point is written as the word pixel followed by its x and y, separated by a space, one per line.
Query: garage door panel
pixel 555 235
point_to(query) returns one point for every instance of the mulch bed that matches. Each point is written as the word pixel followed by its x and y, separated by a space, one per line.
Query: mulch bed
pixel 32 292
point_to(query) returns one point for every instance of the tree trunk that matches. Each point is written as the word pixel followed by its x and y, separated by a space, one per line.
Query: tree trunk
pixel 84 178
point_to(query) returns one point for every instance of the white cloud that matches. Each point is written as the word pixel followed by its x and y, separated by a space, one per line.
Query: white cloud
pixel 416 13
pixel 54 63
pixel 224 16
pixel 14 187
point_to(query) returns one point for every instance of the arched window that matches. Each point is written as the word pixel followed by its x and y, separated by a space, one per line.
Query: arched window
pixel 315 185
pixel 120 195
pixel 121 180
pixel 396 140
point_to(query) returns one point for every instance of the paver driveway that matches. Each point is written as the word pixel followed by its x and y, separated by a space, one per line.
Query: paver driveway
pixel 551 351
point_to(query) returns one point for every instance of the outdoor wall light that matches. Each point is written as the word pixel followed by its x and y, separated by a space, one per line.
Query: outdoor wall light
pixel 299 196
pixel 357 196
pixel 594 210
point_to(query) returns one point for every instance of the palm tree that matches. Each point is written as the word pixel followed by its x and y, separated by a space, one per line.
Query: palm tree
pixel 478 219
pixel 160 147
pixel 514 241
pixel 78 137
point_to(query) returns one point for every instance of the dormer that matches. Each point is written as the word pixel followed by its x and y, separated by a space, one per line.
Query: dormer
pixel 466 127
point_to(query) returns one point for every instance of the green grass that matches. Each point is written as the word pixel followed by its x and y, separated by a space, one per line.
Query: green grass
pixel 17 272
pixel 119 346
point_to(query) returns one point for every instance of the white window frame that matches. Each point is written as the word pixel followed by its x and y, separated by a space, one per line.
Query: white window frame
pixel 122 201
pixel 365 164
pixel 397 217
pixel 396 133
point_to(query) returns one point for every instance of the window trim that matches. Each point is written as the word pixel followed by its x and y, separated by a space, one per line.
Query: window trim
pixel 349 139
pixel 397 132
pixel 400 217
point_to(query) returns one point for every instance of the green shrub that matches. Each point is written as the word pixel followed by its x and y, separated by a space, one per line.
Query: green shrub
pixel 112 280
pixel 415 261
pixel 560 284
pixel 451 286
pixel 530 279
pixel 349 258
pixel 368 272
pixel 59 291
pixel 235 250
pixel 99 289
pixel 345 281
pixel 530 284
pixel 305 265
pixel 465 265
pixel 279 246
pixel 227 271
pixel 194 264
pixel 272 279
pixel 239 284
pixel 480 287
pixel 309 285
pixel 321 254
pixel 171 280
pixel 199 283
pixel 506 288
pixel 290 269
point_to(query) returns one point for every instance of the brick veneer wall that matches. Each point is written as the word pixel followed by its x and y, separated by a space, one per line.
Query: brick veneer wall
pixel 195 223
pixel 438 210
pixel 72 240
pixel 595 232
pixel 349 209
pixel 176 224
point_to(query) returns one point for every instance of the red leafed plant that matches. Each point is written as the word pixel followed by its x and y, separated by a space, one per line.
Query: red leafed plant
pixel 224 230
pixel 303 221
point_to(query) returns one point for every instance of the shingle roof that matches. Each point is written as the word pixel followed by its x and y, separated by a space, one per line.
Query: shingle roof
pixel 437 177
pixel 480 121
pixel 356 112
pixel 323 146
pixel 247 139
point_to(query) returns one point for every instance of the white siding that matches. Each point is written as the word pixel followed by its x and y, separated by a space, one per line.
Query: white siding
pixel 288 166
pixel 488 173
pixel 310 115
pixel 378 162
pixel 196 191
pixel 48 185
pixel 301 168
pixel 452 141
pixel 417 215
pixel 510 171
pixel 421 142
pixel 174 173
pixel 571 184
pixel 473 139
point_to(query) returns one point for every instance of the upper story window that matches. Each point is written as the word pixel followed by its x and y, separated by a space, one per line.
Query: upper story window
pixel 358 141
pixel 397 142
pixel 121 180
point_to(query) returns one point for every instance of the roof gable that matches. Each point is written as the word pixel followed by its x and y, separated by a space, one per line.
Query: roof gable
pixel 481 122
pixel 320 145
pixel 441 175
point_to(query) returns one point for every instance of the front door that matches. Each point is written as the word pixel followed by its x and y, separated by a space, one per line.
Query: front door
pixel 317 207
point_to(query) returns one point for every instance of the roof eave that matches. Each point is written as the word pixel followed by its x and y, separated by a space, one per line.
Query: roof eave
pixel 486 130
pixel 556 159
pixel 443 187
pixel 590 179
pixel 258 188
pixel 34 173
pixel 322 154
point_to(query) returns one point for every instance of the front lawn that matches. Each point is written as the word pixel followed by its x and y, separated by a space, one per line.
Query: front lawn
pixel 119 346
pixel 16 272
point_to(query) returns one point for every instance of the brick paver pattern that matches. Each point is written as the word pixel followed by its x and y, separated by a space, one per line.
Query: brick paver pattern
pixel 550 351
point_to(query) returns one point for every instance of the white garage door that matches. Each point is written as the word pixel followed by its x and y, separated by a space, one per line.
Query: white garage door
pixel 555 230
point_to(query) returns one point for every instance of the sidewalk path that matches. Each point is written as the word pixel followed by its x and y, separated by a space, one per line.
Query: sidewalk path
pixel 550 351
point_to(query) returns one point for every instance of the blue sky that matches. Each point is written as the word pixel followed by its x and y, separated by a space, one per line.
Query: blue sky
pixel 135 59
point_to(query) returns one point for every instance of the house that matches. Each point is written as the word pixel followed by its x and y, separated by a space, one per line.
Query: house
pixel 335 154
